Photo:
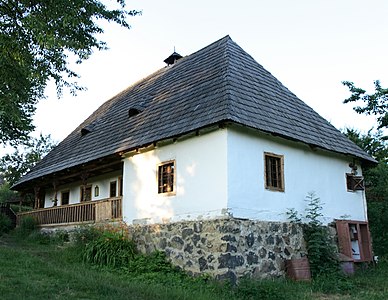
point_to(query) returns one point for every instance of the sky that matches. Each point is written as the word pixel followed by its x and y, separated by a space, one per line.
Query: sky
pixel 309 45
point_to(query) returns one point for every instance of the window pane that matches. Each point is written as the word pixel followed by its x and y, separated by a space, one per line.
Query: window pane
pixel 166 178
pixel 273 172
pixel 65 198
pixel 112 190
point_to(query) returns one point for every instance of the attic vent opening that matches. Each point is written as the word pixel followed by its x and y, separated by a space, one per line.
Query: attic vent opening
pixel 172 58
pixel 87 129
pixel 133 112
pixel 84 131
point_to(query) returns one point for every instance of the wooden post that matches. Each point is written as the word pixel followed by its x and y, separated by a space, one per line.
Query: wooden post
pixel 84 178
pixel 55 186
pixel 36 193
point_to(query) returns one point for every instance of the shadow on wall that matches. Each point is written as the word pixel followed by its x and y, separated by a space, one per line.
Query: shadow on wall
pixel 150 205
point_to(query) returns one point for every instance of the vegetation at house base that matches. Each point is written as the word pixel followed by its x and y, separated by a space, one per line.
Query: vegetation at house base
pixel 376 185
pixel 38 42
pixel 374 104
pixel 321 251
pixel 5 224
pixel 46 266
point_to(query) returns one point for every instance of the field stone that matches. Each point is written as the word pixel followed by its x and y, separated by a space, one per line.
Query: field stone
pixel 225 248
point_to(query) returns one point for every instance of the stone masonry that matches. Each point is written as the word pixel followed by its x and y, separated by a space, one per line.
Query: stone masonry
pixel 226 248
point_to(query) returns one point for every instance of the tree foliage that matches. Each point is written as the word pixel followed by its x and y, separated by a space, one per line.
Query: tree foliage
pixel 37 40
pixel 14 166
pixel 376 180
pixel 374 104
pixel 372 142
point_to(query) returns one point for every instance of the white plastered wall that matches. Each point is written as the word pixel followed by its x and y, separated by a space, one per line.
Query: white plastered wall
pixel 201 181
pixel 102 181
pixel 305 171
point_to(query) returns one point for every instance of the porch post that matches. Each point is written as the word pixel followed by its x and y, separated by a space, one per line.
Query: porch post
pixel 36 194
pixel 84 178
pixel 55 186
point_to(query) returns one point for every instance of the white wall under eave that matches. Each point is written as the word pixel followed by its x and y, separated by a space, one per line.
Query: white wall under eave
pixel 102 181
pixel 305 171
pixel 201 179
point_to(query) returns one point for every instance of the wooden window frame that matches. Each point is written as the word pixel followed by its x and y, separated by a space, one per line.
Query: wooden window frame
pixel 159 179
pixel 120 186
pixel 113 182
pixel 361 236
pixel 279 170
pixel 82 188
pixel 68 200
pixel 354 183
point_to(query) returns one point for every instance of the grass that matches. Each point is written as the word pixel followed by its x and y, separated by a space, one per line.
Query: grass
pixel 38 268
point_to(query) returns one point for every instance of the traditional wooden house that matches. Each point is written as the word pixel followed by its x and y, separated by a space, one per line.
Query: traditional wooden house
pixel 211 138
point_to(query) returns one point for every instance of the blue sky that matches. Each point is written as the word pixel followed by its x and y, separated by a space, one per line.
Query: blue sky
pixel 309 45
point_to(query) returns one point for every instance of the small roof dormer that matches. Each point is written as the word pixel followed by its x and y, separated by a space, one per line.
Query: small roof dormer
pixel 172 58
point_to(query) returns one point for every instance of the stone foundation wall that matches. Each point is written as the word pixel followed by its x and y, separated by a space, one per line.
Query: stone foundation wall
pixel 224 248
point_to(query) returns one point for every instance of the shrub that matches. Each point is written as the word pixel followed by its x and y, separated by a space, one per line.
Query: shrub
pixel 38 237
pixel 60 236
pixel 83 235
pixel 26 227
pixel 154 262
pixel 321 251
pixel 378 222
pixel 5 224
pixel 110 249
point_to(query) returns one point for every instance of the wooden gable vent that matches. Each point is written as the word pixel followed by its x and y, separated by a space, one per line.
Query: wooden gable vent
pixel 355 183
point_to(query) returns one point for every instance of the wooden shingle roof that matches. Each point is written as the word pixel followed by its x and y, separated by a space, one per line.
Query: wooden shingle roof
pixel 219 83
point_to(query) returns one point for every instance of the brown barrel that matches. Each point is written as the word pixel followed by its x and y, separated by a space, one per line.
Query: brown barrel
pixel 298 269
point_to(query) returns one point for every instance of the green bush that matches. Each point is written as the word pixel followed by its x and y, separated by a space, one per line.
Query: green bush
pixel 321 251
pixel 38 237
pixel 378 223
pixel 26 227
pixel 83 235
pixel 154 262
pixel 110 249
pixel 5 224
pixel 60 236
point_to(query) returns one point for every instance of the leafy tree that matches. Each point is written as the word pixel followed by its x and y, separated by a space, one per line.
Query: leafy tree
pixel 6 194
pixel 14 166
pixel 374 143
pixel 376 179
pixel 374 104
pixel 37 40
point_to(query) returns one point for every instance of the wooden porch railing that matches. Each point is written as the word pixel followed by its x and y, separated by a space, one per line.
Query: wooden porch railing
pixel 85 212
